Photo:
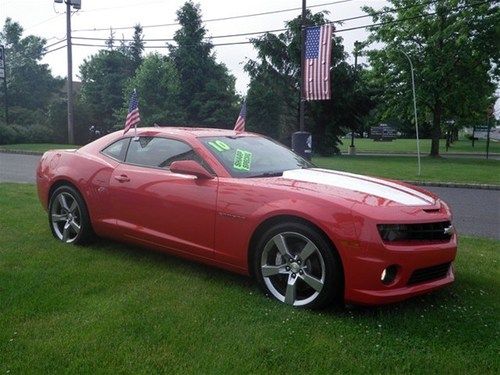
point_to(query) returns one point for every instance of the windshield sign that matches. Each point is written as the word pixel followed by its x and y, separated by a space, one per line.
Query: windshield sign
pixel 249 156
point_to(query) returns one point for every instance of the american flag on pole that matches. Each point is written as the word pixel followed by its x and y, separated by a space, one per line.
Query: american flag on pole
pixel 318 45
pixel 133 116
pixel 239 126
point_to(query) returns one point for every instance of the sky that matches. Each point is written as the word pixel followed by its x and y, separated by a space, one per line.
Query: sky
pixel 47 19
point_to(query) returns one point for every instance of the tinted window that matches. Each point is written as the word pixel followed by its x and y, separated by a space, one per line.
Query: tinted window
pixel 159 152
pixel 250 156
pixel 117 150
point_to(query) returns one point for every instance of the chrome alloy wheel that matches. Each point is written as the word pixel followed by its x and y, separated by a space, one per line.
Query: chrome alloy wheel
pixel 293 268
pixel 66 217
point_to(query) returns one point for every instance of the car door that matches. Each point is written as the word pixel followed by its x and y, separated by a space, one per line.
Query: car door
pixel 153 205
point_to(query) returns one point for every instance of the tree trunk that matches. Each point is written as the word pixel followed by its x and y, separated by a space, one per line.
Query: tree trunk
pixel 436 128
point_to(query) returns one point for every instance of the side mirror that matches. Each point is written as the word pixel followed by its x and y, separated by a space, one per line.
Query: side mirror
pixel 190 167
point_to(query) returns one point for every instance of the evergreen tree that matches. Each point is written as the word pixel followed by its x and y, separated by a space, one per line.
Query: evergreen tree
pixel 136 47
pixel 207 92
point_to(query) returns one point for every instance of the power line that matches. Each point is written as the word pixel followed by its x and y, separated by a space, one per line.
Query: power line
pixel 277 30
pixel 221 18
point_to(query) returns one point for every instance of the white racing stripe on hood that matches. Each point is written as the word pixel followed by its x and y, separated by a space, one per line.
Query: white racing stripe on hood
pixel 363 184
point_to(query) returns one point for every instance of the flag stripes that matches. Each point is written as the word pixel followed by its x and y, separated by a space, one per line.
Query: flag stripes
pixel 316 78
pixel 239 126
pixel 133 116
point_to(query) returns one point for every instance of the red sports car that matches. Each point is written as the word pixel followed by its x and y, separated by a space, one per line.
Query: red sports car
pixel 245 203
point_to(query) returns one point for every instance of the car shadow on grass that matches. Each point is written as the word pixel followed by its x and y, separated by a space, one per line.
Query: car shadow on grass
pixel 413 305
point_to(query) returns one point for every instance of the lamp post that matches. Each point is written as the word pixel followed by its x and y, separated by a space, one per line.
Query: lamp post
pixel 414 107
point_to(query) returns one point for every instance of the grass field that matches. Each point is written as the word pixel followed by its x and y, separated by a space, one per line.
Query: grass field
pixel 460 170
pixel 410 145
pixel 113 308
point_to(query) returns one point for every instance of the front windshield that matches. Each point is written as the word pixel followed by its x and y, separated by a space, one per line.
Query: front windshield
pixel 251 156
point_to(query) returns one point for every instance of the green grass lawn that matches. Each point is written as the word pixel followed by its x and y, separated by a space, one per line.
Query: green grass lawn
pixel 410 145
pixel 113 308
pixel 464 170
pixel 37 147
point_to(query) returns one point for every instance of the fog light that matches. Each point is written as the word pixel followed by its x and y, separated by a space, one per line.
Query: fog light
pixel 389 274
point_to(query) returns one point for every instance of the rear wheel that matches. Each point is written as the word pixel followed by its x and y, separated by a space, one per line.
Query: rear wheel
pixel 68 216
pixel 296 265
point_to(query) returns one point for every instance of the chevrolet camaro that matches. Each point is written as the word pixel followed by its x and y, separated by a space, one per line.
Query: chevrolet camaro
pixel 242 202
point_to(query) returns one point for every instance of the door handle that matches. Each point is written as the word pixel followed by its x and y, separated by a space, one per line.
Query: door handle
pixel 122 178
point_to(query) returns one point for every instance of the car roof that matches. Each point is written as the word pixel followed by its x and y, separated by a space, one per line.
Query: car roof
pixel 187 131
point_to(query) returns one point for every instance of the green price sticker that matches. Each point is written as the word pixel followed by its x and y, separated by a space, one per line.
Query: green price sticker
pixel 242 160
pixel 219 146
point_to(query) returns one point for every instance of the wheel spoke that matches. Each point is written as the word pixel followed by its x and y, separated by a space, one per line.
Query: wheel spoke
pixel 313 282
pixel 66 232
pixel 57 217
pixel 279 241
pixel 73 207
pixel 268 270
pixel 291 290
pixel 307 251
pixel 75 226
pixel 62 201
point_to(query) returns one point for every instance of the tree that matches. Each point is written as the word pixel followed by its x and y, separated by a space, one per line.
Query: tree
pixel 158 87
pixel 30 84
pixel 104 76
pixel 453 46
pixel 207 91
pixel 136 47
pixel 274 94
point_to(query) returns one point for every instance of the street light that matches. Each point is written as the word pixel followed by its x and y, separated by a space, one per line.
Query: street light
pixel 414 107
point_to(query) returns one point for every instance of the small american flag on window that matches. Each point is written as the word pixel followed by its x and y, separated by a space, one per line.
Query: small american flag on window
pixel 239 126
pixel 133 116
pixel 318 45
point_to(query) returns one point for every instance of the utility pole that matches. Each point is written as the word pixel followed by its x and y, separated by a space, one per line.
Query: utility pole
pixel 357 47
pixel 71 125
pixel 302 65
pixel 3 75
pixel 76 4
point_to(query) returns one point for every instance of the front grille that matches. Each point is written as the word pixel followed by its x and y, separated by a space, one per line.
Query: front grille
pixel 428 274
pixel 415 232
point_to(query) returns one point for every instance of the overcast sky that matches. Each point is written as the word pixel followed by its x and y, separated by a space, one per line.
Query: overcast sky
pixel 46 19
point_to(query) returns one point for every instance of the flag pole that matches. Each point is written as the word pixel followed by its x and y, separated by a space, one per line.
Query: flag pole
pixel 302 65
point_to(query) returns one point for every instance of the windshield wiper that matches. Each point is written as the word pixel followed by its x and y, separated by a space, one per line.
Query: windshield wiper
pixel 267 174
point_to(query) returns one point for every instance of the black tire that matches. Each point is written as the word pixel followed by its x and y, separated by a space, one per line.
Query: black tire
pixel 68 212
pixel 322 264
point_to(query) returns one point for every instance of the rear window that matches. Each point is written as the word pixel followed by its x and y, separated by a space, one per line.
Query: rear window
pixel 117 150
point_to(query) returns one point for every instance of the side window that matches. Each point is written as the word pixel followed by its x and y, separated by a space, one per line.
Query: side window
pixel 117 150
pixel 159 152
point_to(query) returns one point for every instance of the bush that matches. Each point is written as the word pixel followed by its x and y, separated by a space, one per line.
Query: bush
pixel 10 134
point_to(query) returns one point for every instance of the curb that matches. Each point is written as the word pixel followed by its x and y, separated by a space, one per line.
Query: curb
pixel 21 152
pixel 454 185
pixel 417 183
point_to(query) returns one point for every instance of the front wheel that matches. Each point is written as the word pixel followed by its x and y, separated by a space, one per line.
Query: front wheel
pixel 296 265
pixel 68 216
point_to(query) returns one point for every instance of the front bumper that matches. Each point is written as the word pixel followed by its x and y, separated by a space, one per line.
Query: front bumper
pixel 364 266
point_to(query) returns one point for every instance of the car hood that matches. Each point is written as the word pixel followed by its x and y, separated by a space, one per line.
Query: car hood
pixel 354 187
